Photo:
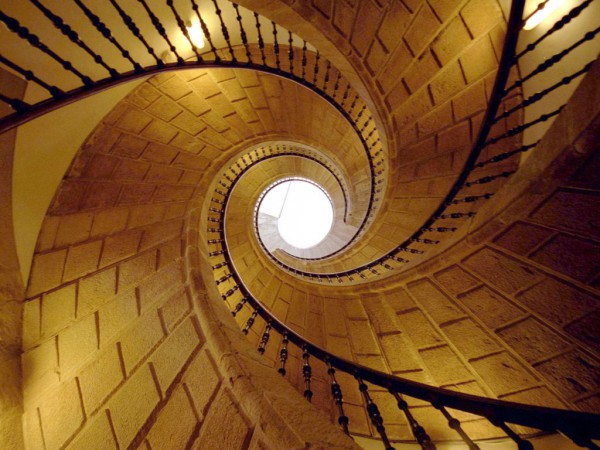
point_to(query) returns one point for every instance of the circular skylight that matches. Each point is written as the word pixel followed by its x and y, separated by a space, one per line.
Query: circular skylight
pixel 303 211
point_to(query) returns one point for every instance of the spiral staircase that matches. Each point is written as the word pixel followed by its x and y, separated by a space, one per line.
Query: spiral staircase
pixel 454 302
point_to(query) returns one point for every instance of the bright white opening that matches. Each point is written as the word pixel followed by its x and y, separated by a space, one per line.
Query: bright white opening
pixel 303 210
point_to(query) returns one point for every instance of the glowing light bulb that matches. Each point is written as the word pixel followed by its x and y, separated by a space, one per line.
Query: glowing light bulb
pixel 540 15
pixel 196 34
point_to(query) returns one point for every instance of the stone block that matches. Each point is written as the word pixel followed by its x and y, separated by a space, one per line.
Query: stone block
pixel 225 425
pixel 451 41
pixel 174 309
pixel 400 301
pixel 140 339
pixel 574 257
pixel 505 273
pixel 202 380
pixel 46 272
pixel 82 259
pixel 478 60
pixel 114 316
pixel 136 269
pixel 491 308
pixel 61 415
pixel 469 101
pixel 298 309
pixel 99 378
pixel 95 290
pixel 421 31
pixel 175 423
pixel 532 340
pixel 358 421
pixel 418 329
pixel 339 346
pixel 31 322
pixel 573 374
pixel 130 170
pixel 523 237
pixel 175 88
pixel 134 121
pixel 540 396
pixel 100 166
pixel 481 16
pixel 189 161
pixel 58 309
pixel 447 84
pixel 435 302
pixel 389 76
pixel 470 339
pixel 342 18
pixel 398 353
pixel 573 211
pixel 335 323
pixel 393 25
pixel 73 228
pixel 164 109
pixel 170 357
pixel 421 71
pixel 363 339
pixel 40 364
pixel 586 329
pixel 380 314
pixel 132 404
pixel 160 283
pixel 77 343
pixel 109 221
pixel 96 434
pixel 130 146
pixel 120 246
pixel 455 280
pixel 173 193
pixel 444 365
pixel 557 301
pixel 502 373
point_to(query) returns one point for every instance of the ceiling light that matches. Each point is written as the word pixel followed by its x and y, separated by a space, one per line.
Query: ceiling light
pixel 195 32
pixel 536 18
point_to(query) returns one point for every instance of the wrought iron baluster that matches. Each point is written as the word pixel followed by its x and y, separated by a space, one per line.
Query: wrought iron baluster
pixel 250 321
pixel 519 129
pixel 336 392
pixel 205 30
pixel 29 76
pixel 306 372
pixel 345 95
pixel 218 266
pixel 16 104
pixel 224 30
pixel 417 430
pixel 316 71
pixel 542 67
pixel 239 306
pixel 456 215
pixel 24 33
pixel 304 60
pixel 291 52
pixel 489 178
pixel 557 26
pixel 127 20
pixel 541 94
pixel 326 78
pixel 65 29
pixel 502 156
pixel 261 42
pixel 336 85
pixel 522 444
pixel 455 425
pixel 276 46
pixel 242 32
pixel 107 34
pixel 373 411
pixel 161 30
pixel 283 354
pixel 264 340
pixel 224 278
pixel 184 30
pixel 230 292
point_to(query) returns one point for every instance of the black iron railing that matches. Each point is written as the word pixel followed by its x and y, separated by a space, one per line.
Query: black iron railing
pixel 493 157
pixel 581 428
pixel 236 37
